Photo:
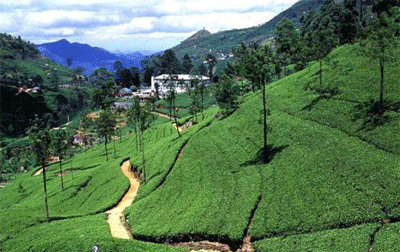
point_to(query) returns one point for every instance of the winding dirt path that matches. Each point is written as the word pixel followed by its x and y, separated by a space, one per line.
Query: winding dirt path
pixel 162 114
pixel 116 217
pixel 38 172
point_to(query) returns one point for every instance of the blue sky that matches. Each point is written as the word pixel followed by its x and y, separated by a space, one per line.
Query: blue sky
pixel 130 25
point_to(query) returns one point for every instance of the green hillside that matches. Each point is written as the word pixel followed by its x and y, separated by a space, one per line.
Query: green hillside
pixel 22 66
pixel 331 184
pixel 203 42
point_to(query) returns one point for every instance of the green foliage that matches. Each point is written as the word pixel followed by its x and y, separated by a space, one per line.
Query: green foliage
pixel 323 174
pixel 170 63
pixel 351 239
pixel 104 94
pixel 287 41
pixel 381 39
pixel 60 144
pixel 105 126
pixel 140 118
pixel 92 231
pixel 387 238
pixel 22 65
pixel 186 64
pixel 226 94
pixel 40 137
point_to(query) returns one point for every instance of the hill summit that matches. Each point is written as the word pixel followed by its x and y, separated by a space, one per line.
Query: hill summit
pixel 198 35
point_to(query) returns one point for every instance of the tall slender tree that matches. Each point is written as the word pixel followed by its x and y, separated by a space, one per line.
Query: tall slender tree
pixel 263 70
pixel 40 136
pixel 193 91
pixel 105 127
pixel 323 41
pixel 226 94
pixel 381 39
pixel 141 117
pixel 59 147
pixel 172 83
pixel 132 119
pixel 287 41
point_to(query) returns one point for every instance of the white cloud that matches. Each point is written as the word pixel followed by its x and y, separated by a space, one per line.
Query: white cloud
pixel 16 2
pixel 119 22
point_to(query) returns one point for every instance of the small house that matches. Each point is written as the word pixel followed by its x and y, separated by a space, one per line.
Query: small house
pixel 81 139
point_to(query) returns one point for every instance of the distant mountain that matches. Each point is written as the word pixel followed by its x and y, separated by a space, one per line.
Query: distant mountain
pixel 203 42
pixel 87 56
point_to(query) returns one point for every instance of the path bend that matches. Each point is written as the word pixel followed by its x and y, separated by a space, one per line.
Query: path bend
pixel 116 218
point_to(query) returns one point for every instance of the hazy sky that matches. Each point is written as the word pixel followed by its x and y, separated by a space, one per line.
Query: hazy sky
pixel 130 25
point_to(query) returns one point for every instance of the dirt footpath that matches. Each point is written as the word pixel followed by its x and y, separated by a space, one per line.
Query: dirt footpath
pixel 116 218
pixel 38 172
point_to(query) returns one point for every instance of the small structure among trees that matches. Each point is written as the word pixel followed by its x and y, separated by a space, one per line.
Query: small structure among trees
pixel 179 81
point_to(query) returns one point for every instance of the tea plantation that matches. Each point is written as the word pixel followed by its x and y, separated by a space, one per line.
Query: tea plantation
pixel 331 184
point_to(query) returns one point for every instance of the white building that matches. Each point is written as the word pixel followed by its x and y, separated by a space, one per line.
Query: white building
pixel 180 81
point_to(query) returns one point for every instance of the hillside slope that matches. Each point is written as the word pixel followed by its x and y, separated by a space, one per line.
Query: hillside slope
pixel 331 169
pixel 23 68
pixel 223 42
pixel 331 183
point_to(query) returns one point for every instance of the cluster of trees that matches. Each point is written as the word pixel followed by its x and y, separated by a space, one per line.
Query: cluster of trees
pixel 126 77
pixel 168 63
pixel 105 88
pixel 17 47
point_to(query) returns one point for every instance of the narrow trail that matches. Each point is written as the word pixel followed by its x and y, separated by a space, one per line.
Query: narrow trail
pixel 38 172
pixel 162 114
pixel 180 128
pixel 116 218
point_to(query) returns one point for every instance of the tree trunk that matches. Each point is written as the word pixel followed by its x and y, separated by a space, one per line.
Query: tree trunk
pixel 284 70
pixel 137 139
pixel 114 149
pixel 320 72
pixel 382 65
pixel 61 174
pixel 105 147
pixel 46 206
pixel 265 149
pixel 143 158
pixel 176 121
pixel 202 104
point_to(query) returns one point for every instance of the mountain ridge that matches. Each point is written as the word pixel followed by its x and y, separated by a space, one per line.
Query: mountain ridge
pixel 87 56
